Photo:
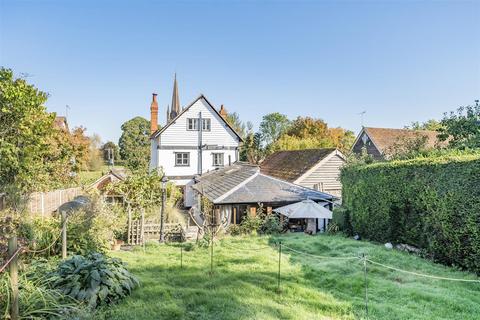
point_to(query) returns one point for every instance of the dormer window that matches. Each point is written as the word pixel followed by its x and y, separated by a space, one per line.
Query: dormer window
pixel 192 124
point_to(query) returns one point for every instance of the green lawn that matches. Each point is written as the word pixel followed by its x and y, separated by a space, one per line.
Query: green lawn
pixel 88 177
pixel 244 282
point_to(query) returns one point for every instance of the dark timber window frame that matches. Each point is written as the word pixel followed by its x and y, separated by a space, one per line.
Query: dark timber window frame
pixel 182 159
pixel 221 156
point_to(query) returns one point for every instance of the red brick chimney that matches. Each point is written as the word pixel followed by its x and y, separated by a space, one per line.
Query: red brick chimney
pixel 154 114
pixel 223 112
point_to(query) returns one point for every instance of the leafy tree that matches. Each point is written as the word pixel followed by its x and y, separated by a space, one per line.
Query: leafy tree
pixel 307 133
pixel 254 152
pixel 245 132
pixel 134 143
pixel 431 124
pixel 110 146
pixel 95 158
pixel 462 127
pixel 237 124
pixel 273 125
pixel 144 190
pixel 34 155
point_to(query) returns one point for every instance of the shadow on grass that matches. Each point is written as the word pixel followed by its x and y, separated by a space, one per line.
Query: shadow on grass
pixel 391 295
pixel 239 288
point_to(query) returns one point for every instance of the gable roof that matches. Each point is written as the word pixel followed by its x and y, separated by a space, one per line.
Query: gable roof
pixel 385 138
pixel 244 183
pixel 201 96
pixel 292 164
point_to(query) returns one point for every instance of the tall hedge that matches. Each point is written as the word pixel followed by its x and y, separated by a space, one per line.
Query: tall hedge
pixel 431 203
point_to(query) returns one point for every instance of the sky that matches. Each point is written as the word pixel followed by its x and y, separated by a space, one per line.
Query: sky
pixel 400 61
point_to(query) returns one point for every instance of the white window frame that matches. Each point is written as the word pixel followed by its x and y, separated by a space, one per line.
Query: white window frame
pixel 215 161
pixel 192 124
pixel 184 159
pixel 206 124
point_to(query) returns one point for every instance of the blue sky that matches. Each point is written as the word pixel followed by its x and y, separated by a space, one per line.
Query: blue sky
pixel 401 61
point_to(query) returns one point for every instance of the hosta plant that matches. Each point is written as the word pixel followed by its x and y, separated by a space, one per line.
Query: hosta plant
pixel 94 279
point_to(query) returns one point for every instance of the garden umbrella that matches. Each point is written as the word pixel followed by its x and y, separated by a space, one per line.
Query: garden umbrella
pixel 304 210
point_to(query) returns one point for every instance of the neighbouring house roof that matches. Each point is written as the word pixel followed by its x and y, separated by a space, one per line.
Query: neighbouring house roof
pixel 112 176
pixel 244 183
pixel 291 165
pixel 159 131
pixel 386 138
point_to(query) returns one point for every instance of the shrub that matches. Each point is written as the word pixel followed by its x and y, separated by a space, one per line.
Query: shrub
pixel 432 203
pixel 94 279
pixel 38 300
pixel 235 230
pixel 93 228
pixel 271 224
pixel 251 224
pixel 341 218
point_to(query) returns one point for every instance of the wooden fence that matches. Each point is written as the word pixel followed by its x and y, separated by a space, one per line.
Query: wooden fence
pixel 45 203
pixel 150 230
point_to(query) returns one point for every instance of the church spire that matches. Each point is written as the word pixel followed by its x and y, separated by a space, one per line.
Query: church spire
pixel 175 99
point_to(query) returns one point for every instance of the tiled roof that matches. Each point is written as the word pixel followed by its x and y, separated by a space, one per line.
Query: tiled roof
pixel 385 138
pixel 216 183
pixel 291 165
pixel 266 189
pixel 243 183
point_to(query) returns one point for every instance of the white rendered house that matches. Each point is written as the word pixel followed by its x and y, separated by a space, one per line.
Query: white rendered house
pixel 196 139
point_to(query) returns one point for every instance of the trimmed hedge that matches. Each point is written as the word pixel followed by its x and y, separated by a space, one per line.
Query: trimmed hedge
pixel 431 203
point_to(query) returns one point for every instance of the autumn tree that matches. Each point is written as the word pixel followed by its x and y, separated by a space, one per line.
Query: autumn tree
pixel 134 143
pixel 308 133
pixel 34 155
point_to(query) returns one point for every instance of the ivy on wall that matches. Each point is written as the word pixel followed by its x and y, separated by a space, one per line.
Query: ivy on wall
pixel 432 203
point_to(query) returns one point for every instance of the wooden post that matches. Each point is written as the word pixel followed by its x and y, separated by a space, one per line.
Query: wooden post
pixel 129 237
pixel 366 284
pixel 142 231
pixel 12 249
pixel 64 235
pixel 279 264
pixel 234 215
pixel 269 210
pixel 253 211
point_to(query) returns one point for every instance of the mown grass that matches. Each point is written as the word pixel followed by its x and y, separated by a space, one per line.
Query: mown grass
pixel 88 177
pixel 244 283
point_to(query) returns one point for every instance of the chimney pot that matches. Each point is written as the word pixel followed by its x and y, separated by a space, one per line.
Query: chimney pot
pixel 154 114
pixel 223 112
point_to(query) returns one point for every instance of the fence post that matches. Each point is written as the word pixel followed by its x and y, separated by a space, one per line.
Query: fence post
pixel 64 235
pixel 366 284
pixel 42 201
pixel 279 263
pixel 12 248
pixel 211 253
pixel 130 236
